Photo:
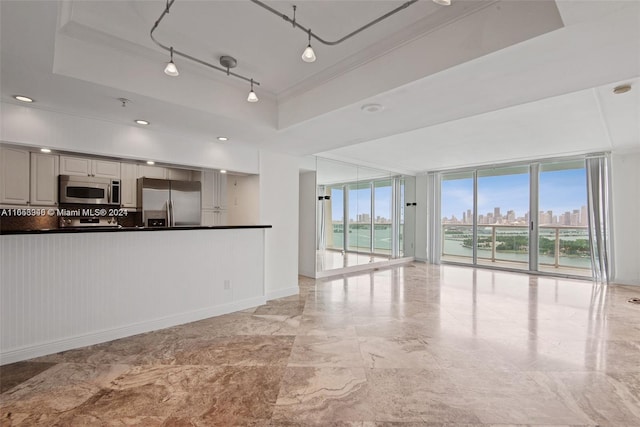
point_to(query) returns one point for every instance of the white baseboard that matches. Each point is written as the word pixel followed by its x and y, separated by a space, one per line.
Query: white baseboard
pixel 623 281
pixel 282 293
pixel 43 349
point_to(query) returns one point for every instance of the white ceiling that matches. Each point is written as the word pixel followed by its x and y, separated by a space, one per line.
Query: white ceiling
pixel 477 82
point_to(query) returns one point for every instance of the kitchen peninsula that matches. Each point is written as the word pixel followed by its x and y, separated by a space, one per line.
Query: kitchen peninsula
pixel 63 289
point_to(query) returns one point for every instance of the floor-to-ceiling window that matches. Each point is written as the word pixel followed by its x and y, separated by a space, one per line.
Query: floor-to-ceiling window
pixel 336 232
pixel 503 216
pixel 563 224
pixel 382 216
pixel 457 217
pixel 359 217
pixel 502 232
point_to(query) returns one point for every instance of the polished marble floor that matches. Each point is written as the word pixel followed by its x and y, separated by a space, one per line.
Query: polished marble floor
pixel 331 259
pixel 413 345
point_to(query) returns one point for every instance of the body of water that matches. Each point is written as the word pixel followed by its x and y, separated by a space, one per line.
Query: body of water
pixel 453 245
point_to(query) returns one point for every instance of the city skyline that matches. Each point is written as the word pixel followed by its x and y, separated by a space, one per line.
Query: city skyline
pixel 560 191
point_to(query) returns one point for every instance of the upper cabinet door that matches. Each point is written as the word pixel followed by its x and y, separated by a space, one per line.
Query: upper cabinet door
pixel 75 166
pixel 145 171
pixel 44 179
pixel 81 166
pixel 105 169
pixel 128 185
pixel 207 190
pixel 179 174
pixel 14 176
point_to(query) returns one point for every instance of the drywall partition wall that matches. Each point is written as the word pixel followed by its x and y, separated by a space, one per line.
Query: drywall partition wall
pixel 279 181
pixel 307 219
pixel 34 126
pixel 625 195
pixel 126 283
pixel 243 199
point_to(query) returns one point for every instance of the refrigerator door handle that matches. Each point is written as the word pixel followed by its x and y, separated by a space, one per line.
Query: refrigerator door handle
pixel 173 218
pixel 168 213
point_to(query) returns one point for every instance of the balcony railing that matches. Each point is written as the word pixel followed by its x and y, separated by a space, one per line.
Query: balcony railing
pixel 560 247
pixel 360 237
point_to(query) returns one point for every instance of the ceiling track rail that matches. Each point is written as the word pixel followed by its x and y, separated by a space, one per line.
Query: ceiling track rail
pixel 293 21
pixel 327 42
pixel 190 57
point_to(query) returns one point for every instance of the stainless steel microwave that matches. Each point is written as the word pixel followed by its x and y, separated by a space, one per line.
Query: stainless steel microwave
pixel 89 190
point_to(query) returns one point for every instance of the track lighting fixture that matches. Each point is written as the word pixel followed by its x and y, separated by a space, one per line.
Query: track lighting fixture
pixel 309 55
pixel 171 69
pixel 252 95
pixel 227 62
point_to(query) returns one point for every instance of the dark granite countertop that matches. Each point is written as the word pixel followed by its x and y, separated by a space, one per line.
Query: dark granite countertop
pixel 125 229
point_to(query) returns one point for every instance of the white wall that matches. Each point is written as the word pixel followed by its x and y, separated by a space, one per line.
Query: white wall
pixel 625 171
pixel 37 127
pixel 243 199
pixel 279 182
pixel 307 218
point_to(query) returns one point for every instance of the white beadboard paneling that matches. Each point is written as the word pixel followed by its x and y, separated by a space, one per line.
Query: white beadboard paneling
pixel 61 291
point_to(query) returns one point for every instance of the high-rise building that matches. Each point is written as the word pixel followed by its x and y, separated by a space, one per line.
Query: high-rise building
pixel 584 218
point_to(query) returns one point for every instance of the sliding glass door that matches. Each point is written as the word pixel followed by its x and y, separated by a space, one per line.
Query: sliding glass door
pixel 359 227
pixel 562 220
pixel 457 217
pixel 502 232
pixel 382 217
pixel 335 238
pixel 503 217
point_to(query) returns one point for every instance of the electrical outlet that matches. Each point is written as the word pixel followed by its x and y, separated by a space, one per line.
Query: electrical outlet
pixel 227 284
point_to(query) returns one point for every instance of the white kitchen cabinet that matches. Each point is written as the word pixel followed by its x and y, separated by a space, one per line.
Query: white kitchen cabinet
pixel 14 176
pixel 44 179
pixel 147 171
pixel 179 174
pixel 220 190
pixel 128 185
pixel 81 166
pixel 106 168
pixel 213 217
pixel 206 183
pixel 214 190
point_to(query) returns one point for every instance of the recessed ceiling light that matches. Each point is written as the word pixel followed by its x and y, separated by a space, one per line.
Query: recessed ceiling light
pixel 223 171
pixel 443 2
pixel 142 122
pixel 45 150
pixel 622 89
pixel 372 108
pixel 151 162
pixel 223 138
pixel 23 98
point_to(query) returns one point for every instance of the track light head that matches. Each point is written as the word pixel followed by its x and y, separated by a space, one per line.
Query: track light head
pixel 171 69
pixel 309 55
pixel 252 95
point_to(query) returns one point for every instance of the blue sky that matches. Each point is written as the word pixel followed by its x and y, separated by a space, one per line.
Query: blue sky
pixel 560 191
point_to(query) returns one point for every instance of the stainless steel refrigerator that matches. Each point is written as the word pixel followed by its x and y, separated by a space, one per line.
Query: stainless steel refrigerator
pixel 167 203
